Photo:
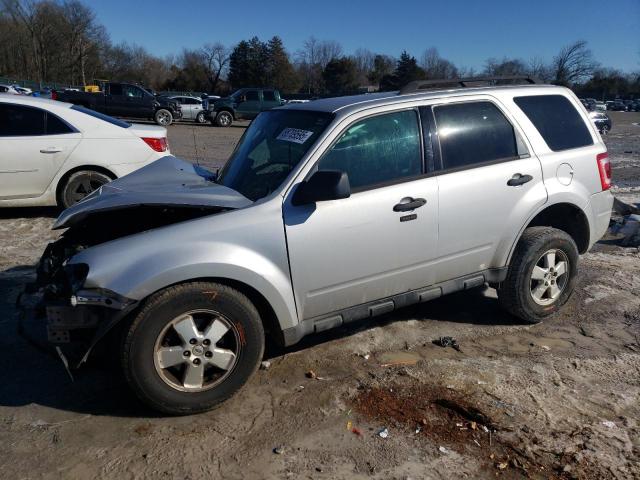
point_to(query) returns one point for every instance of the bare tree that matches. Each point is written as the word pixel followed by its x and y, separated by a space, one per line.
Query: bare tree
pixel 573 64
pixel 435 66
pixel 313 58
pixel 216 58
pixel 537 68
pixel 505 67
pixel 364 61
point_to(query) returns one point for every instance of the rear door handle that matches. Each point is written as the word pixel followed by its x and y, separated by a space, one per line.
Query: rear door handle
pixel 51 150
pixel 519 179
pixel 409 203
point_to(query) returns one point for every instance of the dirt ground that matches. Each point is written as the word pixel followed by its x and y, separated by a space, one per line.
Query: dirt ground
pixel 556 400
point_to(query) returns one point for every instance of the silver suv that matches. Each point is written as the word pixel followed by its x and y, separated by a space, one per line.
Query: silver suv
pixel 327 212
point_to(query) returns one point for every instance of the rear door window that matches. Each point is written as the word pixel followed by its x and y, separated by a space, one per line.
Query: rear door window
pixel 252 95
pixel 474 133
pixel 21 121
pixel 269 95
pixel 377 150
pixel 557 121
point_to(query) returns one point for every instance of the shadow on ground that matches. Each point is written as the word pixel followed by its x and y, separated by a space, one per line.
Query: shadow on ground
pixel 37 377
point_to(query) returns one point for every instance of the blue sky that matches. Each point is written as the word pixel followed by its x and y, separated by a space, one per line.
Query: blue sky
pixel 465 32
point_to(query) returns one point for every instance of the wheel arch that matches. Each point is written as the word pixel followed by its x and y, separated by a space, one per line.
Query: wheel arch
pixel 565 216
pixel 94 168
pixel 227 109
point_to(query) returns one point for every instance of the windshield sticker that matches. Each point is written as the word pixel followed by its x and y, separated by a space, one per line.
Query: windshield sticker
pixel 294 135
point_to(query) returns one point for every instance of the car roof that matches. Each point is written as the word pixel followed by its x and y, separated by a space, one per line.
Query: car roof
pixel 352 103
pixel 34 101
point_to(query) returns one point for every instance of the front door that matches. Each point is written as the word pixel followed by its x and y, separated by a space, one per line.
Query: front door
pixel 33 146
pixel 249 106
pixel 489 184
pixel 367 247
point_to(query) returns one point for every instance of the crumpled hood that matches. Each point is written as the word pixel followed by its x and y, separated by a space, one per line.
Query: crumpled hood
pixel 168 181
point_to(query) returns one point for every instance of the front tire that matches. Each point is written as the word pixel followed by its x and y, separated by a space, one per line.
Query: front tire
pixel 79 185
pixel 163 117
pixel 542 274
pixel 224 119
pixel 200 118
pixel 191 347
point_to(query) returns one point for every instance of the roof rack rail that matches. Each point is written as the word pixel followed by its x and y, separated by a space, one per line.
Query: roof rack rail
pixel 419 85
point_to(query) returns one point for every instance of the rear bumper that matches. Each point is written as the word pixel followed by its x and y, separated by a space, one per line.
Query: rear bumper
pixel 601 204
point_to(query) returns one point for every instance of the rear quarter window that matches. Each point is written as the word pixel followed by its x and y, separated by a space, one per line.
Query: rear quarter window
pixel 557 121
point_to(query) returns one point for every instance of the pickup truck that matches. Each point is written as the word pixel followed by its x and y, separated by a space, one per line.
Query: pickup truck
pixel 125 100
pixel 243 104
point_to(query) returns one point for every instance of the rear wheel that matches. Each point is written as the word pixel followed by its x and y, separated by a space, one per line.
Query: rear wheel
pixel 224 119
pixel 163 117
pixel 201 118
pixel 79 185
pixel 542 274
pixel 191 347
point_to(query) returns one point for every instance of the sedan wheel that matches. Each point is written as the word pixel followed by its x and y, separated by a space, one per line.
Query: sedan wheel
pixel 81 184
pixel 201 118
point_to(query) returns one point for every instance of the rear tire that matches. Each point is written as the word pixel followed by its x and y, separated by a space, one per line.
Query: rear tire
pixel 224 119
pixel 163 117
pixel 542 274
pixel 79 185
pixel 167 360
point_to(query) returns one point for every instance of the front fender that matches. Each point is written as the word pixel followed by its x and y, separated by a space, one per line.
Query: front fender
pixel 221 246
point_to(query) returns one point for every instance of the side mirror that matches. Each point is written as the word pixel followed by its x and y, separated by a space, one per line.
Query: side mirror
pixel 323 185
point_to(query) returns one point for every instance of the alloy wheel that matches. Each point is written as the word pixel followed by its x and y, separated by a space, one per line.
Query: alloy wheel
pixel 549 277
pixel 197 350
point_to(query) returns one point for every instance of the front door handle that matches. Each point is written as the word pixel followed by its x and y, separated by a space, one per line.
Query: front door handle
pixel 519 179
pixel 51 150
pixel 409 203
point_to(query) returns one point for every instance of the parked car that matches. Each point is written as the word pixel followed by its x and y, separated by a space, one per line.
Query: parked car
pixel 125 100
pixel 617 106
pixel 8 89
pixel 457 187
pixel 601 106
pixel 635 106
pixel 589 103
pixel 22 90
pixel 54 153
pixel 191 108
pixel 602 121
pixel 244 104
pixel 609 104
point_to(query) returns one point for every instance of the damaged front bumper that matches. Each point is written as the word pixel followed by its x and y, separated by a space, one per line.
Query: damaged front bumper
pixel 57 315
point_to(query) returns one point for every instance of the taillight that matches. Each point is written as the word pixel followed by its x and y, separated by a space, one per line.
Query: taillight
pixel 54 95
pixel 604 168
pixel 158 144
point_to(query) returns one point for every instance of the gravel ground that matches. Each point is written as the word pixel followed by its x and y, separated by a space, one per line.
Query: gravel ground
pixel 556 400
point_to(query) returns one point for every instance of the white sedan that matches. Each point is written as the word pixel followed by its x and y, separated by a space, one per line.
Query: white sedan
pixel 55 153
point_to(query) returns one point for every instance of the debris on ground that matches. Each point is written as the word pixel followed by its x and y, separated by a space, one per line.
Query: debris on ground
pixel 447 342
pixel 384 433
pixel 609 424
pixel 357 431
pixel 502 465
pixel 265 365
pixel 443 450
pixel 310 374
pixel 279 450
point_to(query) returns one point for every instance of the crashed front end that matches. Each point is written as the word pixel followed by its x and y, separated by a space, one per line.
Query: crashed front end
pixel 58 315
pixel 58 312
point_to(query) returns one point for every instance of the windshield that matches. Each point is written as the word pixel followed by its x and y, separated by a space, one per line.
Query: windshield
pixel 270 148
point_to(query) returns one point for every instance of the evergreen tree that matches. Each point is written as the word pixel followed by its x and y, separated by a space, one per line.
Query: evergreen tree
pixel 407 70
pixel 340 76
pixel 279 71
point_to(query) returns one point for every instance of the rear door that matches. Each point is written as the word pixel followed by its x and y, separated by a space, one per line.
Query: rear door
pixel 115 101
pixel 34 144
pixel 250 107
pixel 356 250
pixel 489 181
